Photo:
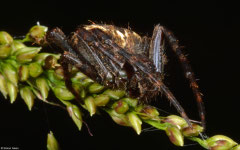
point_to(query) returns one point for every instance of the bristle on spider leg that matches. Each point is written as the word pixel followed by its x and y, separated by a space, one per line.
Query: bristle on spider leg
pixel 177 49
pixel 175 103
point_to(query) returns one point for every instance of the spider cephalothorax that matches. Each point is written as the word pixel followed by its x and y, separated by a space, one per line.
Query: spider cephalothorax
pixel 120 58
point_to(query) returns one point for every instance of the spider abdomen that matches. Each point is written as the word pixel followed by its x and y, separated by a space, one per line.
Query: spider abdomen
pixel 125 38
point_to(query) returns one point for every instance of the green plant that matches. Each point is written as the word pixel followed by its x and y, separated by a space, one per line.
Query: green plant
pixel 25 70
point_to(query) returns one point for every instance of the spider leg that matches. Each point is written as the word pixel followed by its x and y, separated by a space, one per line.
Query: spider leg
pixel 82 42
pixel 57 39
pixel 67 78
pixel 147 69
pixel 174 43
pixel 157 48
pixel 114 64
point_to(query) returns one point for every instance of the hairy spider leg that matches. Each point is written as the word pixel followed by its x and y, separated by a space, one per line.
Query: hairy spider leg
pixel 174 43
pixel 56 37
pixel 157 50
pixel 145 67
pixel 82 43
pixel 114 65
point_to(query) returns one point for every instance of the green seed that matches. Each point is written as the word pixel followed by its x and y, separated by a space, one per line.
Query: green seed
pixel 23 73
pixel 12 91
pixel 27 95
pixel 16 45
pixel 220 142
pixel 101 100
pixel 120 119
pixel 120 107
pixel 43 87
pixel 176 120
pixel 192 131
pixel 147 112
pixel 3 86
pixel 36 34
pixel 5 50
pixel 51 77
pixel 95 88
pixel 91 106
pixel 26 54
pixel 175 136
pixel 135 121
pixel 83 93
pixel 131 102
pixel 5 38
pixel 79 76
pixel 59 73
pixel 115 94
pixel 76 115
pixel 63 93
pixel 52 143
pixel 10 73
pixel 87 82
pixel 35 69
pixel 236 147
pixel 77 87
pixel 40 57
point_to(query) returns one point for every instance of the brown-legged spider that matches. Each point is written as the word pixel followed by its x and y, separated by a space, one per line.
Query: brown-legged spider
pixel 120 58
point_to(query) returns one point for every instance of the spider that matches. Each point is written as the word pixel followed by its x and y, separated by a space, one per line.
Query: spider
pixel 120 58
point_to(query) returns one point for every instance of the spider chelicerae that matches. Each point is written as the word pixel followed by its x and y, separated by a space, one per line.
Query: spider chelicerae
pixel 120 58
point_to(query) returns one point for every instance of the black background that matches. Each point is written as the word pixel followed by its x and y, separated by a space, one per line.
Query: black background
pixel 210 33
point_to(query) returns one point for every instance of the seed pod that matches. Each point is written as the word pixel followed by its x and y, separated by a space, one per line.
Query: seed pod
pixel 5 38
pixel 10 73
pixel 5 50
pixel 101 100
pixel 35 69
pixel 176 120
pixel 12 91
pixel 220 142
pixel 236 147
pixel 135 122
pixel 59 72
pixel 120 119
pixel 43 87
pixel 175 136
pixel 115 94
pixel 95 88
pixel 53 78
pixel 77 87
pixel 23 73
pixel 76 115
pixel 147 112
pixel 79 76
pixel 52 143
pixel 16 45
pixel 87 82
pixel 3 86
pixel 27 95
pixel 131 102
pixel 50 62
pixel 36 34
pixel 63 93
pixel 120 107
pixel 83 93
pixel 26 54
pixel 194 131
pixel 40 57
pixel 91 106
